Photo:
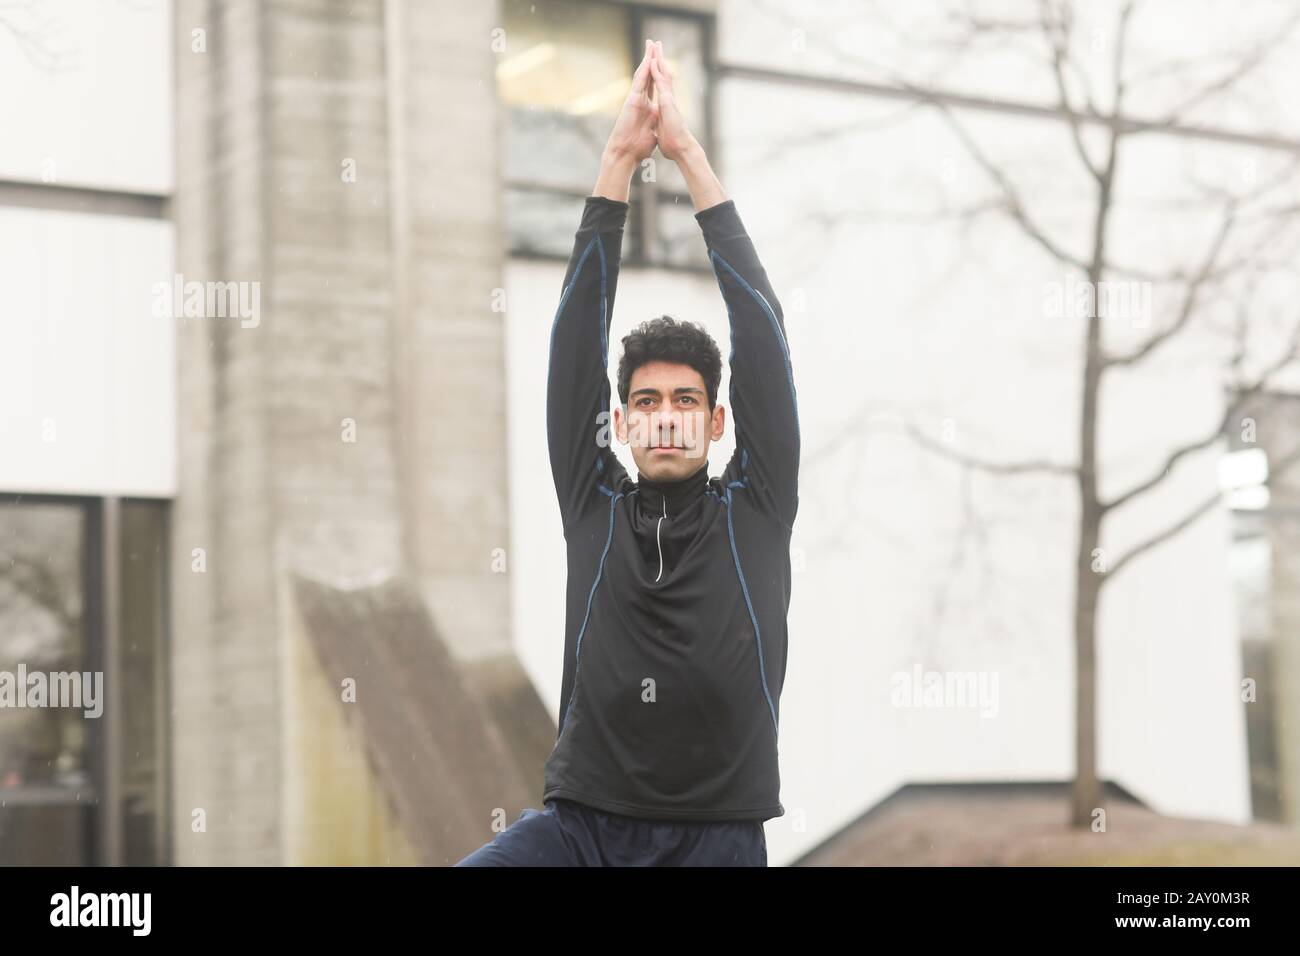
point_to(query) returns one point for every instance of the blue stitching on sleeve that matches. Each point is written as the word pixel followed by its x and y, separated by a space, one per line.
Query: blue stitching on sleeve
pixel 776 326
pixel 577 649
pixel 604 338
pixel 762 670
pixel 604 313
pixel 582 259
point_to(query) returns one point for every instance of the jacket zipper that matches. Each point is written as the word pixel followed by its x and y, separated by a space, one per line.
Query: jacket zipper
pixel 658 524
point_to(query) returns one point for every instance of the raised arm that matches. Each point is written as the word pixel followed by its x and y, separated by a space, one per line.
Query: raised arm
pixel 763 400
pixel 577 384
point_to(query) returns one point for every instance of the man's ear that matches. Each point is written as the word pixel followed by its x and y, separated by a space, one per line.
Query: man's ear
pixel 719 422
pixel 620 424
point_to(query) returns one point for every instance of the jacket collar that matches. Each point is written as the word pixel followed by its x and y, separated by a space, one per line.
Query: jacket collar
pixel 672 496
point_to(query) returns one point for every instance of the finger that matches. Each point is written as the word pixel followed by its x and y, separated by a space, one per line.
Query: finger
pixel 663 63
pixel 663 82
pixel 659 69
pixel 641 78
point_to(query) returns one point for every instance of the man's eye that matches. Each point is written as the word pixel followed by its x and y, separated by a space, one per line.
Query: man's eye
pixel 689 399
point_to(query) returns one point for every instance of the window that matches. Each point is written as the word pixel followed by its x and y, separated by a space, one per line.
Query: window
pixel 45 753
pixel 1244 474
pixel 562 78
pixel 77 787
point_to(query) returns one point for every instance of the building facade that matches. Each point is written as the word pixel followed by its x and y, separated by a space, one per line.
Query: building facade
pixel 280 276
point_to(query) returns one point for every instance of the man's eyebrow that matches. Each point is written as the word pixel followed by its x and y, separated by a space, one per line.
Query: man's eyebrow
pixel 647 390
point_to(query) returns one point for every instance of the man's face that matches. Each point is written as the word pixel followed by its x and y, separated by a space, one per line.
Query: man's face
pixel 668 422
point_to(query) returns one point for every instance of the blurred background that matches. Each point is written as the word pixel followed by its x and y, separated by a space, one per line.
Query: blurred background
pixel 278 282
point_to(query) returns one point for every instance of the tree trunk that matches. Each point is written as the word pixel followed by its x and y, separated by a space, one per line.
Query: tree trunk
pixel 1086 795
pixel 1086 792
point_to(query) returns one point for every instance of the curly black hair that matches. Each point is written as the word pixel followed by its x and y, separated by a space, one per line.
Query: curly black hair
pixel 666 339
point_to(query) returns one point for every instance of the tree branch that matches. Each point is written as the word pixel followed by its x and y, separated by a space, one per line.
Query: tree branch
pixel 1242 397
pixel 1243 66
pixel 1057 35
pixel 1159 538
pixel 1281 465
pixel 1188 307
pixel 990 467
pixel 1012 204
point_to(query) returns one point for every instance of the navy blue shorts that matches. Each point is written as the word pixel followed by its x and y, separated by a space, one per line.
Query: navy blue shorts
pixel 573 834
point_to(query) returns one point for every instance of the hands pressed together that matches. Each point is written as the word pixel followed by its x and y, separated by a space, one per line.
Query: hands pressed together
pixel 650 116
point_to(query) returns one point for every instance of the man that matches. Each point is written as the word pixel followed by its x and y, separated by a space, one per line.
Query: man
pixel 679 584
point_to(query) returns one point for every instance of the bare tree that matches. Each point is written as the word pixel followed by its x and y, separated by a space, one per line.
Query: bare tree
pixel 36 31
pixel 1093 113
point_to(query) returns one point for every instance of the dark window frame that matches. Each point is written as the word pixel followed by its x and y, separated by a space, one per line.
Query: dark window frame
pixel 644 198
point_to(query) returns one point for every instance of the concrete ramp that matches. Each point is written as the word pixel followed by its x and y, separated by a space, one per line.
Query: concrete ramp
pixel 448 747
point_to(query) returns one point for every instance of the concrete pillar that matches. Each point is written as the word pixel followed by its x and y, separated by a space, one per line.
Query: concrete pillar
pixel 340 160
pixel 448 254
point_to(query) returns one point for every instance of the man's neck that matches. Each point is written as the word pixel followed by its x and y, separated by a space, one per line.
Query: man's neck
pixel 673 494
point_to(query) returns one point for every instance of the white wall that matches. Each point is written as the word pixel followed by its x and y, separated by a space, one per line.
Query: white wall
pixel 89 95
pixel 87 371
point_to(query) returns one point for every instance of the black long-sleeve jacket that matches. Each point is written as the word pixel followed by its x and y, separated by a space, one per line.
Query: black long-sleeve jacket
pixel 677 595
